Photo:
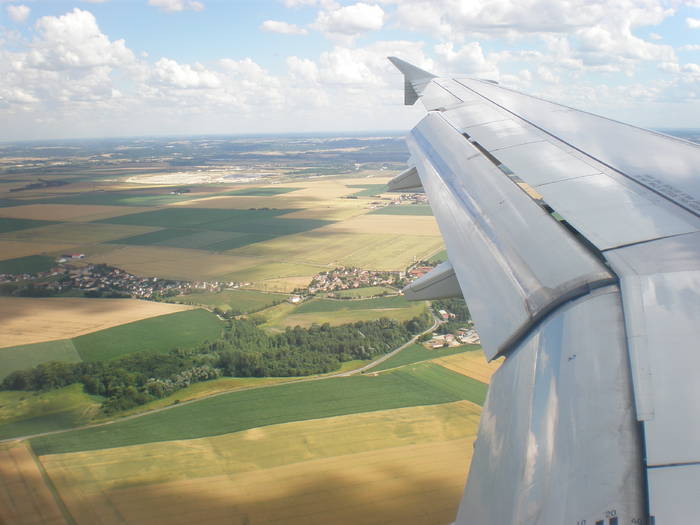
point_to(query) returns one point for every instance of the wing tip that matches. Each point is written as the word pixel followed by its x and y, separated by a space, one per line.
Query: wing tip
pixel 415 79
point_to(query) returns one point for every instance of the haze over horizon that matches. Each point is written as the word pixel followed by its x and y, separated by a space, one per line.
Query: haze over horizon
pixel 93 69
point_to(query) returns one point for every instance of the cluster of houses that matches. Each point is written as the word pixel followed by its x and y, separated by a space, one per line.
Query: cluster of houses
pixel 100 278
pixel 404 198
pixel 466 335
pixel 348 278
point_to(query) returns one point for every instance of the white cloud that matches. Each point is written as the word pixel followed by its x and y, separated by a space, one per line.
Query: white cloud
pixel 172 6
pixel 18 13
pixel 184 76
pixel 74 40
pixel 690 47
pixel 350 21
pixel 655 36
pixel 284 28
pixel 469 60
pixel 303 69
pixel 693 23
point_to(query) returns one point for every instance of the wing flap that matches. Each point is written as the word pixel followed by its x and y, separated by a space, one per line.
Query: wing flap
pixel 541 455
pixel 439 283
pixel 510 277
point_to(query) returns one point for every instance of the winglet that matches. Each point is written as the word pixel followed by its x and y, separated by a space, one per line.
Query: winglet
pixel 415 80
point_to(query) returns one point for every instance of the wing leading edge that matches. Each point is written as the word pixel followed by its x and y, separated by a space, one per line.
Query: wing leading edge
pixel 579 258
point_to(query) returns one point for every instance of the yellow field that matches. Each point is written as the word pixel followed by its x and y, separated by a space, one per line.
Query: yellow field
pixel 346 316
pixel 76 233
pixel 389 224
pixel 24 497
pixel 172 263
pixel 13 249
pixel 67 212
pixel 284 284
pixel 376 251
pixel 25 320
pixel 328 212
pixel 472 364
pixel 396 466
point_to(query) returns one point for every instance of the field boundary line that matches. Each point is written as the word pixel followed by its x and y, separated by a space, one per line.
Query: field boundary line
pixel 349 373
pixel 67 516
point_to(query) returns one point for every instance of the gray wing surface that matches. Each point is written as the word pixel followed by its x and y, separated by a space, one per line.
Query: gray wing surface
pixel 575 241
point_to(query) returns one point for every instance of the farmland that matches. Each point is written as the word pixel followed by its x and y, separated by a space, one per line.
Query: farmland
pixel 383 447
pixel 417 352
pixel 155 335
pixel 28 264
pixel 338 312
pixel 34 320
pixel 423 384
pixel 243 301
pixel 25 413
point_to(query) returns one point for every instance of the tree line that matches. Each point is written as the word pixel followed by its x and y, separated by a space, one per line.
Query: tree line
pixel 244 350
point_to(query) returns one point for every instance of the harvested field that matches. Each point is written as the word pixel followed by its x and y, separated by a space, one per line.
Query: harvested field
pixel 285 284
pixel 25 320
pixel 76 233
pixel 389 224
pixel 174 263
pixel 66 212
pixel 377 251
pixel 413 485
pixel 25 499
pixel 260 272
pixel 14 249
pixel 392 252
pixel 396 466
pixel 471 364
pixel 335 212
pixel 405 209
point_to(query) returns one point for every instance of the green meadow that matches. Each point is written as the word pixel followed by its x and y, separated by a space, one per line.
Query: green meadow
pixel 418 385
pixel 334 305
pixel 155 335
pixel 29 264
pixel 417 352
pixel 244 301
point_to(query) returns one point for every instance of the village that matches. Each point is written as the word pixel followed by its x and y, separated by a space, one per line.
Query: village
pixel 97 280
pixel 348 278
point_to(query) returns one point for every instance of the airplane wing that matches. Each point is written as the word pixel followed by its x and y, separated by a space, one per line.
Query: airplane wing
pixel 575 240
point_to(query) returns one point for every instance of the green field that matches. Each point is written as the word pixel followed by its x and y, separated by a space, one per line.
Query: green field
pixel 148 197
pixel 190 217
pixel 438 257
pixel 25 413
pixel 11 225
pixel 260 222
pixel 370 291
pixel 260 192
pixel 331 305
pixel 418 385
pixel 404 209
pixel 370 190
pixel 417 352
pixel 29 264
pixel 244 301
pixel 28 356
pixel 154 335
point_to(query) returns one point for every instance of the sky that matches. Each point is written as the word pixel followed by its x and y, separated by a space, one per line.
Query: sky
pixel 111 68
